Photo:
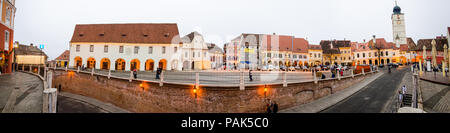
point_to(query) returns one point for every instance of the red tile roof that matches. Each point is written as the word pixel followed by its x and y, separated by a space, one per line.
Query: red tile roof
pixel 64 56
pixel 127 33
pixel 315 47
pixel 287 43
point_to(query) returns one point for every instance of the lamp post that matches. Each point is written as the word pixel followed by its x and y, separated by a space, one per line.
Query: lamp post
pixel 16 45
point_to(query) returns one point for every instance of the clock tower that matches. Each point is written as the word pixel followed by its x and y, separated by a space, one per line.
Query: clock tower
pixel 398 26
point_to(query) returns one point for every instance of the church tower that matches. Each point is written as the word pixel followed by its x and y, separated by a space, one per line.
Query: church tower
pixel 398 26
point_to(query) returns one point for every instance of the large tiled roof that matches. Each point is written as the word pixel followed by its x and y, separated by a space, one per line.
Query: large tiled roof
pixel 332 47
pixel 29 50
pixel 150 33
pixel 315 47
pixel 288 43
pixel 64 56
pixel 427 43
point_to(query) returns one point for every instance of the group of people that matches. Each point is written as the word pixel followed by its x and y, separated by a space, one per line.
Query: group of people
pixel 271 106
pixel 401 95
pixel 158 73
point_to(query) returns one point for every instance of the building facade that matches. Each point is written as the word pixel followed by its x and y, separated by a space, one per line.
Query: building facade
pixel 8 11
pixel 195 52
pixel 30 55
pixel 63 59
pixel 215 56
pixel 125 47
pixel 315 55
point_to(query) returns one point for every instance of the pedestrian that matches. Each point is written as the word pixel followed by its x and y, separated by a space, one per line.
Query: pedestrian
pixel 342 73
pixel 404 89
pixel 269 106
pixel 323 76
pixel 275 107
pixel 250 75
pixel 158 73
pixel 333 75
pixel 135 73
pixel 400 98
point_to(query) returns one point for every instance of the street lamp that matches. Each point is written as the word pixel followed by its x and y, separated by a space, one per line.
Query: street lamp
pixel 16 45
pixel 265 91
pixel 195 91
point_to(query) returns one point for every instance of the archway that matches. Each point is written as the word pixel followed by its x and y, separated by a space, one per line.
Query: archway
pixel 91 63
pixel 149 65
pixel 370 62
pixel 382 61
pixel 135 64
pixel 185 65
pixel 120 64
pixel 174 64
pixel 78 61
pixel 376 62
pixel 162 64
pixel 364 62
pixel 388 60
pixel 105 63
pixel 296 63
pixel 280 63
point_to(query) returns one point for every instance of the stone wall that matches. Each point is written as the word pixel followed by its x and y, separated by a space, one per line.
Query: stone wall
pixel 173 98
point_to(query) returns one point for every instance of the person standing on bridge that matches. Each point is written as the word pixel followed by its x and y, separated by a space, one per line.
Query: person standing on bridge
pixel 400 98
pixel 250 75
pixel 158 72
pixel 404 90
pixel 135 73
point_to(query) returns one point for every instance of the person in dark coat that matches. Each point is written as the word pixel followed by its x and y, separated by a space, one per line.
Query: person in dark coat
pixel 275 107
pixel 135 73
pixel 250 75
pixel 158 73
pixel 269 106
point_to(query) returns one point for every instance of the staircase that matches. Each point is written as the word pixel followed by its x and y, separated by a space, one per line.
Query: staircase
pixel 407 100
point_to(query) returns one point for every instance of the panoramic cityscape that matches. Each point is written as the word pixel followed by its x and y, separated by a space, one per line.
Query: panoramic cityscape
pixel 159 67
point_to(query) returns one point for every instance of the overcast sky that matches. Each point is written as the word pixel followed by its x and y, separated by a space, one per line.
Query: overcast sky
pixel 51 22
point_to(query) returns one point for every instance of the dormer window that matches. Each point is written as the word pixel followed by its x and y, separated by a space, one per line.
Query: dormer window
pixel 166 35
pixel 145 35
pixel 102 34
pixel 124 35
pixel 81 35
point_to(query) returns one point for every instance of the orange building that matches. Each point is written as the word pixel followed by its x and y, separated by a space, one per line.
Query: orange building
pixel 8 11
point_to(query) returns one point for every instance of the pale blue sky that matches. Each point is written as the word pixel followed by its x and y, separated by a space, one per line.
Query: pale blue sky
pixel 51 22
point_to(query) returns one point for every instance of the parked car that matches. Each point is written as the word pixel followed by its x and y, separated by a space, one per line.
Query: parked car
pixel 270 68
pixel 264 68
pixel 291 68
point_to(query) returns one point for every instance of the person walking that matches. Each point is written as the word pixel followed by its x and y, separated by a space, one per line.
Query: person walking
pixel 135 73
pixel 250 75
pixel 404 90
pixel 275 107
pixel 269 106
pixel 158 72
pixel 400 98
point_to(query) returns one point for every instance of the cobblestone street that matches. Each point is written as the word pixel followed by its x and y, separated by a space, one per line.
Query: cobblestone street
pixel 436 97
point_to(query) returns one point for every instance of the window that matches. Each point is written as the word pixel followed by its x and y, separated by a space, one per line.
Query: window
pixel 121 49
pixel 381 53
pixel 375 53
pixel 193 54
pixel 185 54
pixel 370 54
pixel 136 49
pixel 105 49
pixel 91 48
pixel 6 40
pixel 198 54
pixel 204 54
pixel 175 49
pixel 78 48
pixel 320 55
pixel 387 53
pixel 164 49
pixel 295 56
pixel 8 16
pixel 280 55
pixel 269 55
pixel 357 55
pixel 364 55
pixel 150 50
pixel 304 56
pixel 315 55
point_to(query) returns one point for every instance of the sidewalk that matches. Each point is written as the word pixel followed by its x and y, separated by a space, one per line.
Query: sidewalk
pixel 107 107
pixel 20 93
pixel 325 102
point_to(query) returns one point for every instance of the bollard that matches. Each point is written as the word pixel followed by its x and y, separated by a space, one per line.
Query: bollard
pixel 315 77
pixel 197 79
pixel 363 72
pixel 49 100
pixel 353 75
pixel 23 67
pixel 284 79
pixel 161 79
pixel 31 68
pixel 66 68
pixel 78 71
pixel 109 74
pixel 49 79
pixel 39 70
pixel 131 76
pixel 92 72
pixel 443 70
pixel 54 67
pixel 242 84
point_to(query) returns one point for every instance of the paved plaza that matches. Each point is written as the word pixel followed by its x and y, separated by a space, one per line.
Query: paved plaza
pixel 20 93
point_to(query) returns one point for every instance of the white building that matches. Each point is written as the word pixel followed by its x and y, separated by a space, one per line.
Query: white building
pixel 144 47
pixel 195 52
pixel 215 56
